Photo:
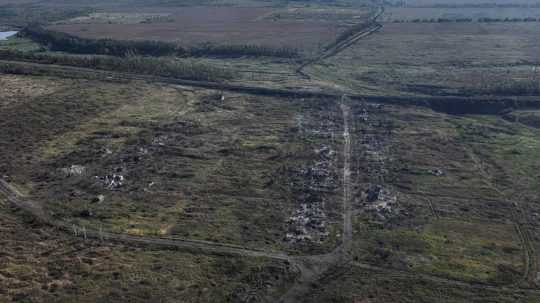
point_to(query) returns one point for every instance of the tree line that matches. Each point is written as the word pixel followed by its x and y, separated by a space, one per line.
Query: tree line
pixel 462 20
pixel 58 41
pixel 162 67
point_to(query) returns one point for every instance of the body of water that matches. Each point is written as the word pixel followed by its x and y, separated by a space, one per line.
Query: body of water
pixel 5 35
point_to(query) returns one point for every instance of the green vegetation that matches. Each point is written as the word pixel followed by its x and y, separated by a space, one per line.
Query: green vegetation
pixel 442 207
pixel 460 250
pixel 209 166
pixel 163 67
pixel 359 285
pixel 51 267
pixel 19 44
pixel 57 41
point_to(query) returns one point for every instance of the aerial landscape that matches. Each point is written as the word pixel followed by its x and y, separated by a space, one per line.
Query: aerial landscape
pixel 356 151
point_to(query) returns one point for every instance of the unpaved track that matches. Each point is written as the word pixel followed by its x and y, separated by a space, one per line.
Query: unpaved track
pixel 402 274
pixel 343 45
pixel 347 186
pixel 315 268
pixel 19 200
pixel 530 262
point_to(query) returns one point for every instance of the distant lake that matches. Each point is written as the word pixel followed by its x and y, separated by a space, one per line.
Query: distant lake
pixel 5 35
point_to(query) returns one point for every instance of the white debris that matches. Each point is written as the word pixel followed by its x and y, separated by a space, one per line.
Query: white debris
pixel 143 151
pixel 107 152
pixel 160 140
pixel 74 170
pixel 307 224
pixel 437 172
pixel 99 199
pixel 113 181
pixel 380 200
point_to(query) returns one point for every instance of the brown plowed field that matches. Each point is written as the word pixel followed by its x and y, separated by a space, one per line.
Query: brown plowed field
pixel 224 25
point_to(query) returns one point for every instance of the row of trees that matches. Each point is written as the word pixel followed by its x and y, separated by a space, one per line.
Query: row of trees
pixel 58 41
pixel 461 20
pixel 486 4
pixel 162 67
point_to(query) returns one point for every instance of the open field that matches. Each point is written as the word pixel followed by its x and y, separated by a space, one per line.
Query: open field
pixel 427 13
pixel 386 162
pixel 447 58
pixel 222 25
pixel 361 285
pixel 454 191
pixel 470 3
pixel 199 159
pixel 44 265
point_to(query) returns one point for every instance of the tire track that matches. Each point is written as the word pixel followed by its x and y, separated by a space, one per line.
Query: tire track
pixel 17 199
pixel 343 45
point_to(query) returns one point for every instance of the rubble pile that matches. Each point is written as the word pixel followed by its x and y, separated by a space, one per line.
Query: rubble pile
pixel 326 128
pixel 377 198
pixel 307 224
pixel 311 182
pixel 380 200
pixel 160 140
pixel 112 181
pixel 437 172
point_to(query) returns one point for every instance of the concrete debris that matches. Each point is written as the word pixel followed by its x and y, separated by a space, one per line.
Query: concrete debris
pixel 143 151
pixel 98 199
pixel 437 172
pixel 377 198
pixel 312 181
pixel 372 193
pixel 380 199
pixel 74 170
pixel 160 140
pixel 307 224
pixel 106 152
pixel 326 129
pixel 325 152
pixel 114 181
pixel 373 144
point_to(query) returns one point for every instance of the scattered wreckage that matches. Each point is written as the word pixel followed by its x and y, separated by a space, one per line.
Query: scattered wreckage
pixel 311 182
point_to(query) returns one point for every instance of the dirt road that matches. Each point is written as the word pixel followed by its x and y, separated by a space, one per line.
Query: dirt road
pixel 347 209
pixel 343 45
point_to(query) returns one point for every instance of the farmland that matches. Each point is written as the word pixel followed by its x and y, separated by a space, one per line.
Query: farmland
pixel 226 25
pixel 269 151
pixel 436 58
